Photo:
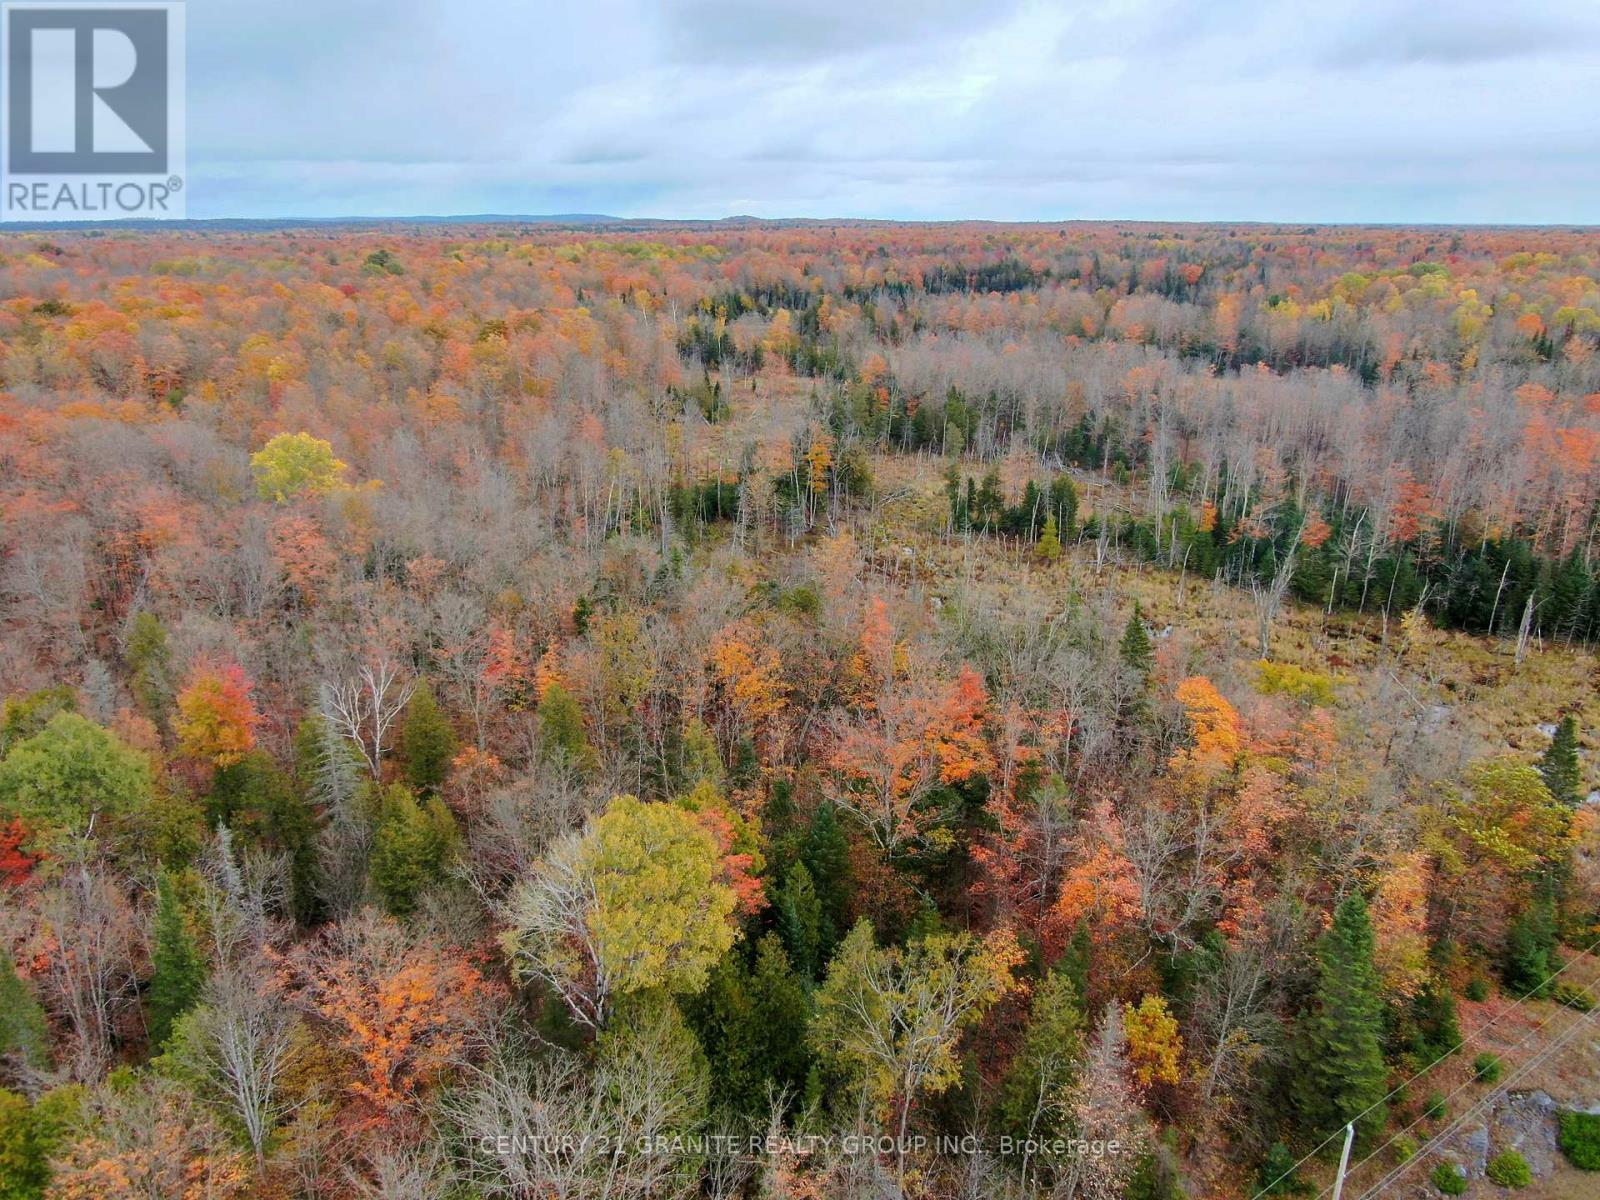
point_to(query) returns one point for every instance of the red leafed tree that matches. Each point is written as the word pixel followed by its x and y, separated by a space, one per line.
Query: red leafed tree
pixel 16 864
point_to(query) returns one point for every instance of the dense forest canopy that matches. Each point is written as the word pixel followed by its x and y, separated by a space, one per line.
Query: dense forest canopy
pixel 757 709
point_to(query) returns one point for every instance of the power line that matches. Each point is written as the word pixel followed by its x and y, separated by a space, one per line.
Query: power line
pixel 1450 1130
pixel 1533 1033
pixel 1401 1086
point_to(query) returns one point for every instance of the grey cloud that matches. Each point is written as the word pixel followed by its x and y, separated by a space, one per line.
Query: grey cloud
pixel 1349 109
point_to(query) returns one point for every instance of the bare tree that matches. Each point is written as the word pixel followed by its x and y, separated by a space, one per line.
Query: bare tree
pixel 1268 597
pixel 365 708
pixel 1104 1110
pixel 550 914
pixel 244 1034
pixel 86 935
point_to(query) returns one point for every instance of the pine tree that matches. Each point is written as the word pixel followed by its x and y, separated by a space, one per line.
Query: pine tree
pixel 1337 1068
pixel 803 926
pixel 1064 506
pixel 149 662
pixel 1559 764
pixel 826 854
pixel 1047 1062
pixel 178 971
pixel 752 1024
pixel 427 742
pixel 1437 1031
pixel 1530 958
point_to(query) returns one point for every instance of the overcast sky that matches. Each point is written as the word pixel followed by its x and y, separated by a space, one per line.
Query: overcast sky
pixel 1334 110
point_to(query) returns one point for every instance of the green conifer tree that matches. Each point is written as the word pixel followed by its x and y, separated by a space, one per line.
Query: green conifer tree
pixel 1337 1071
pixel 1559 765
pixel 1049 541
pixel 178 969
pixel 1046 1063
pixel 803 926
pixel 561 726
pixel 826 854
pixel 412 846
pixel 1136 649
pixel 426 741
pixel 22 1024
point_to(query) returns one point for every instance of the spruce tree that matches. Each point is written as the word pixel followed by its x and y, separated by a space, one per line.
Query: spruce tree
pixel 1559 764
pixel 1046 1064
pixel 1136 649
pixel 803 926
pixel 178 971
pixel 1530 956
pixel 826 854
pixel 427 742
pixel 1337 1071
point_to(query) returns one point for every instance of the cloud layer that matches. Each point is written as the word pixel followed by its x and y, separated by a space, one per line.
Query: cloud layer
pixel 1347 110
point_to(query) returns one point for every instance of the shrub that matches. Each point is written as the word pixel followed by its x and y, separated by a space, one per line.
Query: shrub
pixel 1449 1179
pixel 1509 1169
pixel 1477 990
pixel 1487 1067
pixel 1580 1140
pixel 1405 1148
pixel 1436 1108
pixel 1573 996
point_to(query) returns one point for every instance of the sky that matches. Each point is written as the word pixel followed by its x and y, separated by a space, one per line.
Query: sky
pixel 1294 110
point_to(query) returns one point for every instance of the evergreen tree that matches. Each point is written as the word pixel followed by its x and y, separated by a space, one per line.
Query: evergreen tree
pixel 426 741
pixel 1559 765
pixel 561 726
pixel 29 1137
pixel 1436 1030
pixel 803 926
pixel 752 1024
pixel 1064 506
pixel 149 663
pixel 1530 955
pixel 1047 1062
pixel 826 854
pixel 1337 1071
pixel 23 1031
pixel 178 970
pixel 1136 649
pixel 1049 542
pixel 411 847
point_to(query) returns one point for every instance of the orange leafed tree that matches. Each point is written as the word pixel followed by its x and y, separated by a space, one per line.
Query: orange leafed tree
pixel 1101 887
pixel 402 1009
pixel 16 864
pixel 920 734
pixel 1215 725
pixel 217 718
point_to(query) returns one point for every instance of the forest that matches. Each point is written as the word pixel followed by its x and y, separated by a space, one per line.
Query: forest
pixel 799 710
